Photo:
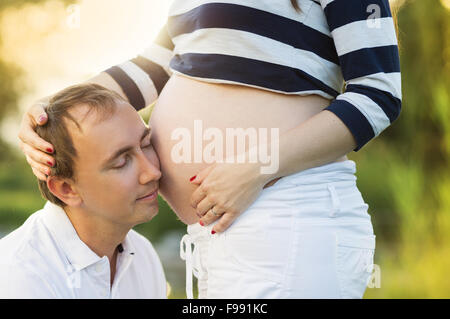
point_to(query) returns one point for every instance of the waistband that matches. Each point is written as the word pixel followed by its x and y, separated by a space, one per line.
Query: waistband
pixel 330 173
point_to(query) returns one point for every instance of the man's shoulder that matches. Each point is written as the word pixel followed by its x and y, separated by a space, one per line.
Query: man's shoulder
pixel 20 255
pixel 29 245
pixel 22 238
pixel 18 280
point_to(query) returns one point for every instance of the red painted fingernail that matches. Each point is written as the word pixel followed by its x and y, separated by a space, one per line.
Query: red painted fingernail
pixel 201 223
pixel 49 150
pixel 192 178
pixel 50 163
pixel 213 232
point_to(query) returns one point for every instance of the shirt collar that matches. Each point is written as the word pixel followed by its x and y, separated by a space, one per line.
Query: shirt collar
pixel 65 235
pixel 127 246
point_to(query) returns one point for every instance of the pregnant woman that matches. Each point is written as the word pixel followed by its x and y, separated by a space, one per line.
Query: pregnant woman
pixel 302 231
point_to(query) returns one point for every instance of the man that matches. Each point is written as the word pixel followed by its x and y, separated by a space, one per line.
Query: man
pixel 104 182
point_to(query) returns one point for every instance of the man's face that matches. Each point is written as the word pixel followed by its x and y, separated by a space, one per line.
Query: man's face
pixel 116 166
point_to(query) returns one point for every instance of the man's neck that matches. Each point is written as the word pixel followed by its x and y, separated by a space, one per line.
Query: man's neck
pixel 101 236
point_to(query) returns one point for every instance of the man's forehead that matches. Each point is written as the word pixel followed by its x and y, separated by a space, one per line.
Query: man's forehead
pixel 84 117
pixel 102 131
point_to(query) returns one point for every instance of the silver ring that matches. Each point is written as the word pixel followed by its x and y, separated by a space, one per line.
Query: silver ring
pixel 212 211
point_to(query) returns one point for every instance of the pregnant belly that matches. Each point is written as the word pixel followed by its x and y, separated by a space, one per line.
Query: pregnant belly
pixel 187 108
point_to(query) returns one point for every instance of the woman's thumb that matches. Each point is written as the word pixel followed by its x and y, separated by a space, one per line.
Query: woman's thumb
pixel 42 119
pixel 38 114
pixel 198 179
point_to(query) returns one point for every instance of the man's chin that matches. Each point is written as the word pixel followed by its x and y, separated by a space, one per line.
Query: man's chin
pixel 147 214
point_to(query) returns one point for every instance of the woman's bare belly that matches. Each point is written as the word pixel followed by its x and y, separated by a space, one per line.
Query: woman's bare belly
pixel 184 100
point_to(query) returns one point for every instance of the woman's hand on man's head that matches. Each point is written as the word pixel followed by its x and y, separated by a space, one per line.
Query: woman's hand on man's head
pixel 37 151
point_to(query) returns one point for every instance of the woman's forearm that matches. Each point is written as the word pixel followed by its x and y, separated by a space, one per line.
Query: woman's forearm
pixel 105 80
pixel 320 140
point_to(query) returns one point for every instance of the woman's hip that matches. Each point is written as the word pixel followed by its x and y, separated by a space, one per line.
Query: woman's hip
pixel 307 235
pixel 311 261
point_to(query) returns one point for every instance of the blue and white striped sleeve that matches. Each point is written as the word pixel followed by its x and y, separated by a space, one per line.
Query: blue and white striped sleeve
pixel 364 35
pixel 143 77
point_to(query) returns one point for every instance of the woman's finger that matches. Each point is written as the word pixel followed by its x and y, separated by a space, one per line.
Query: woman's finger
pixel 210 218
pixel 224 222
pixel 30 137
pixel 198 179
pixel 204 206
pixel 39 174
pixel 37 114
pixel 38 166
pixel 37 155
pixel 197 196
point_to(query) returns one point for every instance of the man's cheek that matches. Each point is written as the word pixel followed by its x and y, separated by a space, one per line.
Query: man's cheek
pixel 123 190
pixel 107 192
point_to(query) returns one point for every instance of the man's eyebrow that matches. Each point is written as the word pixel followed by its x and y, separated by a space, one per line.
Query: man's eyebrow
pixel 125 148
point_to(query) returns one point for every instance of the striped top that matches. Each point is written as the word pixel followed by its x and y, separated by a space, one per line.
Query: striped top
pixel 343 50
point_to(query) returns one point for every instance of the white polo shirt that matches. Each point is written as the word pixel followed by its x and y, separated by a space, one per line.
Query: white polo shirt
pixel 45 258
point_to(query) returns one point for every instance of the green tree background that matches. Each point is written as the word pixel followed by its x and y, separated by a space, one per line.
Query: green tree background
pixel 404 174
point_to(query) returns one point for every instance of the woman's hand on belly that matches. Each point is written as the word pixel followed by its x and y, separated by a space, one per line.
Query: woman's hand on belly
pixel 228 187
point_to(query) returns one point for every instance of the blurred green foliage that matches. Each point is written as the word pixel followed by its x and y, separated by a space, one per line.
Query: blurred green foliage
pixel 404 174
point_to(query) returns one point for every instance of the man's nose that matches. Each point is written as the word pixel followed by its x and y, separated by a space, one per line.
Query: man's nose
pixel 148 171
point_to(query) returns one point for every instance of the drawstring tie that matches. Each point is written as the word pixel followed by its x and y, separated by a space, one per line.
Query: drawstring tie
pixel 191 257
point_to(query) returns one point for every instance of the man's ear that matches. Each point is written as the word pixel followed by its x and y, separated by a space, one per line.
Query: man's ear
pixel 64 189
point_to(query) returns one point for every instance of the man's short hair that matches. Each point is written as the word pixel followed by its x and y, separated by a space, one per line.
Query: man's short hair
pixel 55 131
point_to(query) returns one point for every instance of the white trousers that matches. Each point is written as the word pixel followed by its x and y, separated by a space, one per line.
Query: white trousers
pixel 307 236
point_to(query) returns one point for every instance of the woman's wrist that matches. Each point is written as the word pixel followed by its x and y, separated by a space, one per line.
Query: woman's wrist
pixel 256 169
